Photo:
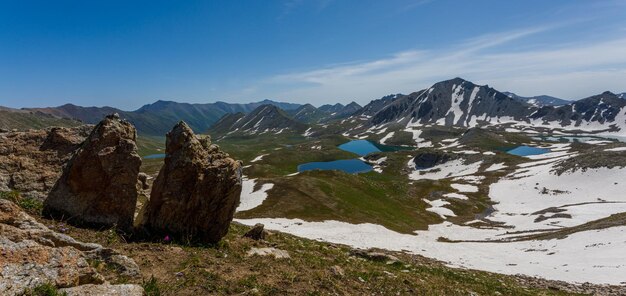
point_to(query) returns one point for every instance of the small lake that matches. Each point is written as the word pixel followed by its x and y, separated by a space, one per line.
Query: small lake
pixel 527 150
pixel 154 156
pixel 350 166
pixel 365 147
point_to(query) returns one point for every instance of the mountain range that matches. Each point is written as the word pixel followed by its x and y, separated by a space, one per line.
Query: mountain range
pixel 159 117
pixel 454 102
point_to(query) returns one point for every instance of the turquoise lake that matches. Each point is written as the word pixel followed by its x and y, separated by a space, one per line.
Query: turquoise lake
pixel 527 150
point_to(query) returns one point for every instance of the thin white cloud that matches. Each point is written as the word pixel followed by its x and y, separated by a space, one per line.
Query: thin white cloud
pixel 569 71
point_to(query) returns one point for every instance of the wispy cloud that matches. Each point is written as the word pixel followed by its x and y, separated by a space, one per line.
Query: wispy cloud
pixel 569 71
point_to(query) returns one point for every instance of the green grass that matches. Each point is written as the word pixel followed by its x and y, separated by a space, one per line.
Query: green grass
pixel 151 287
pixel 46 289
pixel 26 120
pixel 388 199
pixel 148 145
pixel 31 205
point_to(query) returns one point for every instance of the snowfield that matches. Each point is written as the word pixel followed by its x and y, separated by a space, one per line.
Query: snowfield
pixel 249 198
pixel 531 199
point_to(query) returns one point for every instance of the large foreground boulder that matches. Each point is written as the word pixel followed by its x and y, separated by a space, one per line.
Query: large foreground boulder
pixel 196 192
pixel 31 255
pixel 99 184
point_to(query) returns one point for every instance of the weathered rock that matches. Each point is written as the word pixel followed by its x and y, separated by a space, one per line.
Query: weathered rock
pixel 256 233
pixel 337 270
pixel 62 140
pixel 143 181
pixel 276 253
pixel 374 256
pixel 104 290
pixel 196 192
pixel 99 184
pixel 430 158
pixel 31 255
pixel 31 162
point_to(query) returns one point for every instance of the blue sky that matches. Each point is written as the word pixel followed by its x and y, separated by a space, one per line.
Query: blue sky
pixel 129 53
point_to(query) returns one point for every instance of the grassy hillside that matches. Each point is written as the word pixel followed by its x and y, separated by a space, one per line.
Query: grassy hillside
pixel 313 268
pixel 19 120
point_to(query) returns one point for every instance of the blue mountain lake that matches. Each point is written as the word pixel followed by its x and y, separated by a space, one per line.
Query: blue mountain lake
pixel 527 150
pixel 365 147
pixel 350 166
pixel 154 156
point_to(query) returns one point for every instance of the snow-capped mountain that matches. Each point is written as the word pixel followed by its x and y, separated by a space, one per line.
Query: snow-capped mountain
pixel 458 102
pixel 264 119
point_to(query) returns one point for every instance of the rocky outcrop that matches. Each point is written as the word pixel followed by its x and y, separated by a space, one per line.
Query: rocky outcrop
pixel 31 162
pixel 32 255
pixel 99 184
pixel 430 158
pixel 196 192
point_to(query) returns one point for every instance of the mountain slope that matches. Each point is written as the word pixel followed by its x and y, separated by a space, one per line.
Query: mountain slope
pixel 603 109
pixel 375 106
pixel 23 120
pixel 159 117
pixel 264 119
pixel 309 114
pixel 539 101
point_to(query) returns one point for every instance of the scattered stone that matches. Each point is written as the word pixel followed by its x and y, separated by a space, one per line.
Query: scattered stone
pixel 375 256
pixel 98 185
pixel 256 233
pixel 196 192
pixel 277 253
pixel 104 290
pixel 31 255
pixel 337 270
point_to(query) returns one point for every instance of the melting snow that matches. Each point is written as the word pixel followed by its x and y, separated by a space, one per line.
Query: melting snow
pixel 251 199
pixel 258 158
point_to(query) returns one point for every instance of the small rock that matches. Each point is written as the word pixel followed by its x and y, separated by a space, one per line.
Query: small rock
pixel 143 180
pixel 375 256
pixel 256 233
pixel 337 270
pixel 277 253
